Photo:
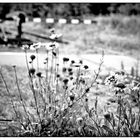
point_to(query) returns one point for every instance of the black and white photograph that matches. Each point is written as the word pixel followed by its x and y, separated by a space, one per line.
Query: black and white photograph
pixel 69 69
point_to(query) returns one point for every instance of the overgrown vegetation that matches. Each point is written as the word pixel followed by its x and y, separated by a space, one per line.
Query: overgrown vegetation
pixel 55 101
pixel 69 10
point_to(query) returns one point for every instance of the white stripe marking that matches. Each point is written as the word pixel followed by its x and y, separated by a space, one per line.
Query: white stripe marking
pixel 87 21
pixel 49 20
pixel 62 21
pixel 37 20
pixel 74 21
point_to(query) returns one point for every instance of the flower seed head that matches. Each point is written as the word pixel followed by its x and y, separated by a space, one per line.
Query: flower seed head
pixel 52 45
pixel 77 65
pixel 87 90
pixel 66 81
pixel 65 59
pixel 71 97
pixel 25 47
pixel 57 75
pixel 80 121
pixel 52 30
pixel 71 73
pixel 120 85
pixel 107 116
pixel 82 81
pixel 71 78
pixel 31 71
pixel 81 61
pixel 35 46
pixel 32 57
pixel 39 74
pixel 64 70
pixel 86 67
pixel 54 53
pixel 72 61
pixel 69 69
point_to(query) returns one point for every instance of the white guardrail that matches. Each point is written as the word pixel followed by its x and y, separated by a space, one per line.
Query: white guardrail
pixel 63 21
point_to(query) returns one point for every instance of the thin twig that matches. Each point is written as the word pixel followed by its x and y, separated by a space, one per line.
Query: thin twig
pixel 21 99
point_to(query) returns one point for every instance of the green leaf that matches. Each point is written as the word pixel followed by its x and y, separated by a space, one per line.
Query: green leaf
pixel 108 129
pixel 92 128
pixel 133 119
pixel 125 130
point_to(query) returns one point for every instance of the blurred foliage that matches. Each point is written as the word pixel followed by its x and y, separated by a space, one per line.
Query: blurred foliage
pixel 68 10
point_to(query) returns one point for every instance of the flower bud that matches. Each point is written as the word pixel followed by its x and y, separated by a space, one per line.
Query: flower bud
pixel 32 57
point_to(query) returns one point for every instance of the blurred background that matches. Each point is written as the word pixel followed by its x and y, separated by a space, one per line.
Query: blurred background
pixel 114 26
pixel 87 28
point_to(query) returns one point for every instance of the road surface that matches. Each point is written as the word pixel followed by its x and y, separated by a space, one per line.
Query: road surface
pixel 111 62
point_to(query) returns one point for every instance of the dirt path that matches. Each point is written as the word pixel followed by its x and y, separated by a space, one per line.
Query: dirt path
pixel 111 62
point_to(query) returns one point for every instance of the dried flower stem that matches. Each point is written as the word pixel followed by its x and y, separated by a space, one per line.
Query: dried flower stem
pixel 37 60
pixel 16 113
pixel 32 87
pixel 21 99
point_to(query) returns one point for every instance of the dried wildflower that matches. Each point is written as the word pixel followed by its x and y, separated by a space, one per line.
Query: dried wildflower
pixel 52 30
pixel 52 45
pixel 32 57
pixel 108 103
pixel 80 121
pixel 46 59
pixel 110 79
pixel 85 66
pixel 72 61
pixel 120 85
pixel 86 99
pixel 48 46
pixel 81 61
pixel 58 75
pixel 31 71
pixel 82 81
pixel 69 69
pixel 64 70
pixel 65 59
pixel 66 81
pixel 54 53
pixel 112 100
pixel 25 47
pixel 65 87
pixel 71 78
pixel 72 97
pixel 70 73
pixel 107 116
pixel 39 74
pixel 87 90
pixel 120 72
pixel 35 46
pixel 55 36
pixel 14 66
pixel 77 65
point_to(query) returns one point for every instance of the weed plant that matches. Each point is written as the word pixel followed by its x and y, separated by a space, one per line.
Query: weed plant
pixel 60 101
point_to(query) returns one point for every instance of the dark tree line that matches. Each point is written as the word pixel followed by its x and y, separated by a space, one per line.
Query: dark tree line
pixel 67 10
